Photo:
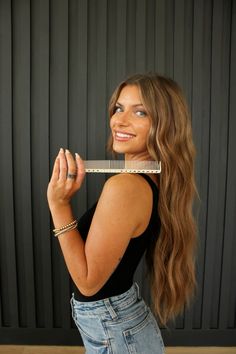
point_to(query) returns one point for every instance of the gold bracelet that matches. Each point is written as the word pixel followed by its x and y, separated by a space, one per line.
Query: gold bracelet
pixel 65 226
pixel 64 230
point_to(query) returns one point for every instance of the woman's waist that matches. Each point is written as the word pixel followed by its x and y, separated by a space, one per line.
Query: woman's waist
pixel 117 302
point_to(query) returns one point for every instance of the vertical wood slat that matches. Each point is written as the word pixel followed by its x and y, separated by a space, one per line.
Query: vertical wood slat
pixel 97 113
pixel 179 43
pixel 131 42
pixel 78 90
pixel 225 17
pixel 101 87
pixel 230 211
pixel 40 153
pixel 117 47
pixel 150 35
pixel 169 37
pixel 228 286
pixel 201 128
pixel 112 48
pixel 121 39
pixel 188 52
pixel 160 37
pixel 140 31
pixel 22 161
pixel 59 136
pixel 8 271
pixel 117 22
pixel 97 79
pixel 218 158
pixel 187 86
pixel 183 34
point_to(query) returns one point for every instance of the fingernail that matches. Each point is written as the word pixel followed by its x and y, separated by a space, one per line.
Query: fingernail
pixel 61 150
pixel 67 151
pixel 77 155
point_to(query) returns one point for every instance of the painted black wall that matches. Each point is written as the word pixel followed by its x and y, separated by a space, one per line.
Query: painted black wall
pixel 59 62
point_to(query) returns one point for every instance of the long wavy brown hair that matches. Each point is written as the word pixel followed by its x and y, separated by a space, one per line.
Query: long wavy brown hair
pixel 171 262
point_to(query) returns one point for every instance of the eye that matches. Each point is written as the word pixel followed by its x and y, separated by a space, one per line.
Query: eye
pixel 117 109
pixel 141 113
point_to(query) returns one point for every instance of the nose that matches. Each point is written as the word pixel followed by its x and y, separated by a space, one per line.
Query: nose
pixel 122 118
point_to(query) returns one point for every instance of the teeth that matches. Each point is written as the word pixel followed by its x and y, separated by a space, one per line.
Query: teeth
pixel 123 135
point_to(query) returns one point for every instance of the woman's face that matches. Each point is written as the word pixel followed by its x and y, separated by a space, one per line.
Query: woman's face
pixel 130 125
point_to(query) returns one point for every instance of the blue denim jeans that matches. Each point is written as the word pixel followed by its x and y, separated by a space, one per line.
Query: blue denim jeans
pixel 117 325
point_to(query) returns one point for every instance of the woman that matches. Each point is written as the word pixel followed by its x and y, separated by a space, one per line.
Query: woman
pixel 136 213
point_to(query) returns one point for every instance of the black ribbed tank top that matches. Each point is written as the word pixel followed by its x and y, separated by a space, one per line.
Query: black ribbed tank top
pixel 122 278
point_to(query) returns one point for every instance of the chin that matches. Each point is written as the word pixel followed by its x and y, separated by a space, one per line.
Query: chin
pixel 120 149
pixel 125 149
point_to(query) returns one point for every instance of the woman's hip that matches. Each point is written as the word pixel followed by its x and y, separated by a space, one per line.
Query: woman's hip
pixel 120 324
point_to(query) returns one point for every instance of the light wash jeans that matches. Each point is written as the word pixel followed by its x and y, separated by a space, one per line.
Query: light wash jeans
pixel 117 325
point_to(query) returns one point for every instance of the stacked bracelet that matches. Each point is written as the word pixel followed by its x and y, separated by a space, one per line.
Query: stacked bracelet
pixel 66 228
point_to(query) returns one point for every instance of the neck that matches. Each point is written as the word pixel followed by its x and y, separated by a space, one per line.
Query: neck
pixel 138 157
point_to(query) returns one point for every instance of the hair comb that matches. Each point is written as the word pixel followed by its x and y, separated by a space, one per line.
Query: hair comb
pixel 122 166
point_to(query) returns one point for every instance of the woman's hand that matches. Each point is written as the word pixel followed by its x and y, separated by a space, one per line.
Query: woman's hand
pixel 67 177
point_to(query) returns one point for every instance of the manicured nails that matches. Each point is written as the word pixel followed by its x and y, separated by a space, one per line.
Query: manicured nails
pixel 62 151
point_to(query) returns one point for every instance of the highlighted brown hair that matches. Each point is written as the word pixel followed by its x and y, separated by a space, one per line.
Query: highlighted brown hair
pixel 171 262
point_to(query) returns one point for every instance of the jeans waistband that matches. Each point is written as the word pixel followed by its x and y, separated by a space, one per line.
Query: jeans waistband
pixel 110 304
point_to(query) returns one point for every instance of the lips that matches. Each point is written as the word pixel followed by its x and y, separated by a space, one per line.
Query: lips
pixel 123 136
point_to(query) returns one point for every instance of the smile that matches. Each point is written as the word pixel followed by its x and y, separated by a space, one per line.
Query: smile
pixel 123 136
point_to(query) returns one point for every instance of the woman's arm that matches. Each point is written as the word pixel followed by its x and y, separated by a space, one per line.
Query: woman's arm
pixel 123 211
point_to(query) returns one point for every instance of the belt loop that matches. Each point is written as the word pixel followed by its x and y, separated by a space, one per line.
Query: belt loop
pixel 137 291
pixel 110 308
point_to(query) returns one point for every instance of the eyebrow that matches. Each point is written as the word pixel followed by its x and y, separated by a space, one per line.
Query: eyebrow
pixel 133 105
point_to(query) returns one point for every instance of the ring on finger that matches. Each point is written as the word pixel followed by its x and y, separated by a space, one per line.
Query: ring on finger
pixel 71 175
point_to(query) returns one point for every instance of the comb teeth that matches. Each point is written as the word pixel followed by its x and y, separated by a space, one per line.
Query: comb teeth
pixel 121 166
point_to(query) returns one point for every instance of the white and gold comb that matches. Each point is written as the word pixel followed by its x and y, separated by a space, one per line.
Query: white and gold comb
pixel 122 166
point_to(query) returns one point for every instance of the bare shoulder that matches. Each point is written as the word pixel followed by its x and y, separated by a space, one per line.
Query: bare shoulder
pixel 126 183
pixel 128 191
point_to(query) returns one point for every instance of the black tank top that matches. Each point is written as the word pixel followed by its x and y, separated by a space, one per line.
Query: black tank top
pixel 122 278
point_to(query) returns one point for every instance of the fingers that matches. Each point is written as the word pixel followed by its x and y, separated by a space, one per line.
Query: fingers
pixel 63 165
pixel 71 164
pixel 67 178
pixel 56 170
pixel 80 169
pixel 68 169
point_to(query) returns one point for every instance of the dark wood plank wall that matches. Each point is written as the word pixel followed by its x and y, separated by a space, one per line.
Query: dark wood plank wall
pixel 59 63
